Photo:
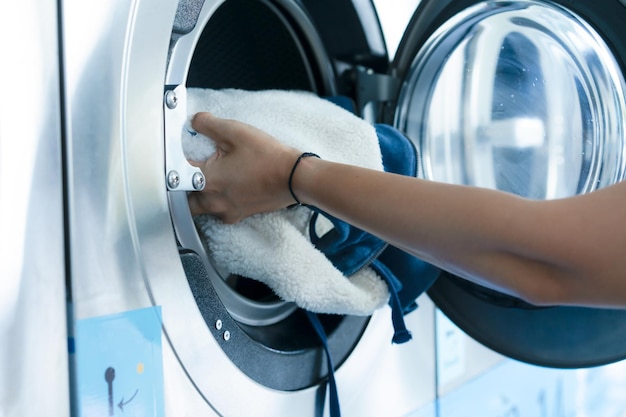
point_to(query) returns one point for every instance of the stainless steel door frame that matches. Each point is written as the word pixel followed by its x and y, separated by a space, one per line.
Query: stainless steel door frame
pixel 33 334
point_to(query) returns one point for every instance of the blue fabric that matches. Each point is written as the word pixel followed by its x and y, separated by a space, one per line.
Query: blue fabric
pixel 415 275
pixel 347 247
pixel 401 334
pixel 351 249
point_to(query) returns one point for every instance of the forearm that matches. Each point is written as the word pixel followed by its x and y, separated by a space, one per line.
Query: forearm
pixel 567 251
pixel 497 239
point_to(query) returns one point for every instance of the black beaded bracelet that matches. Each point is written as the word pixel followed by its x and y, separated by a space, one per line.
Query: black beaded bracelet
pixel 293 170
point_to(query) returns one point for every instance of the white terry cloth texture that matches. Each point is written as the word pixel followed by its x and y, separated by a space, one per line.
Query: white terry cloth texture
pixel 274 248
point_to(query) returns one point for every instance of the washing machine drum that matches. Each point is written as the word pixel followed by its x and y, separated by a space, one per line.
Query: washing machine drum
pixel 526 97
pixel 259 45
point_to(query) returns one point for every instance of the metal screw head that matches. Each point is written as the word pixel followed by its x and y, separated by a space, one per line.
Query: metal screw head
pixel 198 181
pixel 173 179
pixel 171 100
pixel 226 335
pixel 218 324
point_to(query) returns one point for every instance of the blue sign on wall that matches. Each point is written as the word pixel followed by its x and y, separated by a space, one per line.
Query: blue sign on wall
pixel 119 367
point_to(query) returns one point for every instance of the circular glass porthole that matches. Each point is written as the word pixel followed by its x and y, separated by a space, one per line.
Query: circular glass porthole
pixel 525 97
pixel 519 96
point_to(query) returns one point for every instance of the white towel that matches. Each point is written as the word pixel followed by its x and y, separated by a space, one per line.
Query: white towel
pixel 273 247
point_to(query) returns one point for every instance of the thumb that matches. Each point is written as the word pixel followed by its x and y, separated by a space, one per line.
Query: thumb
pixel 197 164
pixel 217 129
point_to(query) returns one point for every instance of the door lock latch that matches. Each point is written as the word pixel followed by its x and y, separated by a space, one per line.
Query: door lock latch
pixel 180 175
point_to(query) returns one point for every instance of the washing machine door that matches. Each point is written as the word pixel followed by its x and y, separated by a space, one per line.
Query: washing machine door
pixel 523 96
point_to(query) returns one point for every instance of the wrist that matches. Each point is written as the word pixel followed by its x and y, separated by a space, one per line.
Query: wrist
pixel 290 181
pixel 302 178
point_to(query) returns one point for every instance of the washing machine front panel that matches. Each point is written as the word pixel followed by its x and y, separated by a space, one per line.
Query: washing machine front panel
pixel 525 97
pixel 33 333
pixel 121 239
pixel 124 224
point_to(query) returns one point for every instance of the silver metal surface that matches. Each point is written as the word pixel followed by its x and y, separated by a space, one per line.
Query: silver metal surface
pixel 173 179
pixel 521 96
pixel 171 99
pixel 33 333
pixel 181 175
pixel 123 246
pixel 198 181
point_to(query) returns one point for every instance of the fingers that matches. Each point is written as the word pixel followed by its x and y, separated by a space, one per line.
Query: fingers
pixel 201 203
pixel 219 130
pixel 194 204
pixel 227 133
pixel 246 174
pixel 197 164
pixel 202 122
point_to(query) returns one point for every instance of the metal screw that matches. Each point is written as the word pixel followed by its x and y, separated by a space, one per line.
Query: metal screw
pixel 173 179
pixel 198 181
pixel 218 324
pixel 171 101
pixel 226 335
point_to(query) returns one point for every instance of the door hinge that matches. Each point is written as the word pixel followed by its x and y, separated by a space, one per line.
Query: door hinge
pixel 374 87
pixel 180 175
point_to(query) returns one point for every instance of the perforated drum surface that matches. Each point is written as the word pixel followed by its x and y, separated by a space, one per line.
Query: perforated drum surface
pixel 248 45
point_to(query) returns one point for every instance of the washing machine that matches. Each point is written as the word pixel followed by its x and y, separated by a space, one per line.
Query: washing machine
pixel 34 377
pixel 156 328
pixel 525 96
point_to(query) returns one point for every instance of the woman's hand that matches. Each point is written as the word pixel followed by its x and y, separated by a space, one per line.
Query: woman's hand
pixel 248 173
